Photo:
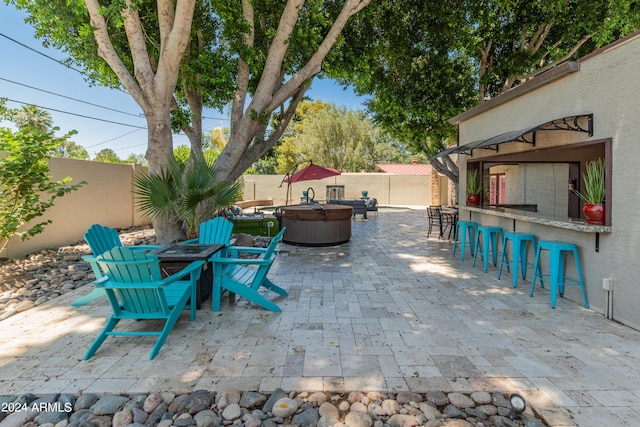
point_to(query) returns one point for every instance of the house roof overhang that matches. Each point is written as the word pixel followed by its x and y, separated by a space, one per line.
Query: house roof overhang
pixel 527 135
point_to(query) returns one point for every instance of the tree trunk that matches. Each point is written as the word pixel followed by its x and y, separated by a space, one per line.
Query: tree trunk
pixel 448 168
pixel 159 150
pixel 153 84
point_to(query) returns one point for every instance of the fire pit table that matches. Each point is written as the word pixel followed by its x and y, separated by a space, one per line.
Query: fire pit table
pixel 176 256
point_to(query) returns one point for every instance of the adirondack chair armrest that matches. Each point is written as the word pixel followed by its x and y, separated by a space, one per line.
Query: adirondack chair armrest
pixel 93 263
pixel 246 261
pixel 101 281
pixel 251 249
pixel 195 266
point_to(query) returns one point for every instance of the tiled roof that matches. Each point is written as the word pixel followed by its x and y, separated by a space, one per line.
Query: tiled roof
pixel 400 169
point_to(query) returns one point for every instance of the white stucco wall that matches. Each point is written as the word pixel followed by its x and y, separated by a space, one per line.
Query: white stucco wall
pixel 108 199
pixel 608 87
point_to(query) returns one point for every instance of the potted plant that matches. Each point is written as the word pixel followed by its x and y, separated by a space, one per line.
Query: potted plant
pixel 594 192
pixel 474 188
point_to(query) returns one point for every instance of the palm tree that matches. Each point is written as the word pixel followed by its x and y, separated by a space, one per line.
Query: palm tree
pixel 31 116
pixel 189 194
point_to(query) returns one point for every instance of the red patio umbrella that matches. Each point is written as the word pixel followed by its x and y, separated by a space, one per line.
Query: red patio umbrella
pixel 309 173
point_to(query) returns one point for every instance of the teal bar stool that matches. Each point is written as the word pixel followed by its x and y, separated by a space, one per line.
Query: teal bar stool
pixel 460 237
pixel 489 238
pixel 557 279
pixel 518 253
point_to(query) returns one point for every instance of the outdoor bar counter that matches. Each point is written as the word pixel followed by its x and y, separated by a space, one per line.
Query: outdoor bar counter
pixel 537 218
pixel 543 226
pixel 313 224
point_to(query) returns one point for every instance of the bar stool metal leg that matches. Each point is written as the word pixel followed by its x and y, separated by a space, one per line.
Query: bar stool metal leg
pixel 518 254
pixel 460 237
pixel 557 264
pixel 489 240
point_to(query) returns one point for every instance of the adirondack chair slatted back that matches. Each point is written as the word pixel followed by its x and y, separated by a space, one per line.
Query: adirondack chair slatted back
pixel 102 239
pixel 131 271
pixel 216 231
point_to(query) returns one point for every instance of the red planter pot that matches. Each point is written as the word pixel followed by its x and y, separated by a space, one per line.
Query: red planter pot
pixel 473 199
pixel 594 213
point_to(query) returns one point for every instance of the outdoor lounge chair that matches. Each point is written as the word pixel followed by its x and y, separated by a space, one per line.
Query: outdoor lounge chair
pixel 235 215
pixel 245 276
pixel 372 206
pixel 101 239
pixel 136 290
pixel 359 208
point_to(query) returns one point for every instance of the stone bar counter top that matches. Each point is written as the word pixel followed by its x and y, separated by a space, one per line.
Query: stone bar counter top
pixel 538 218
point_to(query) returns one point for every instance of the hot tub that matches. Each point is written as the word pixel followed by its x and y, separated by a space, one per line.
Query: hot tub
pixel 313 224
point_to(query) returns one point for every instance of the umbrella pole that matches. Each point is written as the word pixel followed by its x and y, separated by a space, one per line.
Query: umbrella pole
pixel 288 175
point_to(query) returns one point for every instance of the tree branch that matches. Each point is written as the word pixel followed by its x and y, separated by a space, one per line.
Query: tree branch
pixel 108 53
pixel 560 60
pixel 166 16
pixel 314 64
pixel 278 49
pixel 172 47
pixel 237 106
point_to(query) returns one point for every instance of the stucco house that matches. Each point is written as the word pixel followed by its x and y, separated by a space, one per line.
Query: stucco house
pixel 532 141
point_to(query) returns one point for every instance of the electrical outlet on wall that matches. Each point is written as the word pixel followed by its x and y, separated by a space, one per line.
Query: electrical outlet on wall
pixel 607 284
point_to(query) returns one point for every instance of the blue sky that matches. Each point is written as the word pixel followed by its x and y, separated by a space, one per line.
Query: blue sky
pixel 26 76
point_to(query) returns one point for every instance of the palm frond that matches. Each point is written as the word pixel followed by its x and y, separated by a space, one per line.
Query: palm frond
pixel 191 193
pixel 155 193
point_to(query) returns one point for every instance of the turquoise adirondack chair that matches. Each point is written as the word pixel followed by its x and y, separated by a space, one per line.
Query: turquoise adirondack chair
pixel 245 276
pixel 101 239
pixel 215 231
pixel 136 290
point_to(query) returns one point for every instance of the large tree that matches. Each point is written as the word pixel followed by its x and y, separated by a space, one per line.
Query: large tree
pixel 424 63
pixel 277 47
pixel 515 40
pixel 344 140
pixel 411 63
pixel 146 65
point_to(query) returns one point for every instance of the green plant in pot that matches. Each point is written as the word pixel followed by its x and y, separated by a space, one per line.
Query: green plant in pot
pixel 474 188
pixel 594 192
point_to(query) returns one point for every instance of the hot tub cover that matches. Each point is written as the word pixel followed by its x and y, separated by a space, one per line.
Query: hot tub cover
pixel 316 212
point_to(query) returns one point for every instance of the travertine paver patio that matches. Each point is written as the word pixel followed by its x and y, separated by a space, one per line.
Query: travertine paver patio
pixel 390 310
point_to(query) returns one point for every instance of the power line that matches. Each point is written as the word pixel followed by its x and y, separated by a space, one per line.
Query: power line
pixel 40 53
pixel 73 99
pixel 78 115
pixel 132 146
pixel 215 118
pixel 50 57
pixel 78 71
pixel 113 139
